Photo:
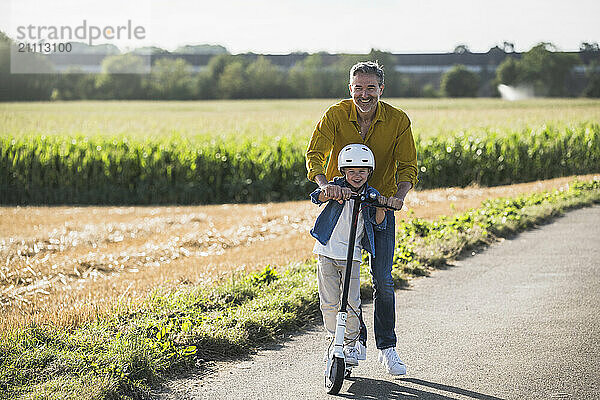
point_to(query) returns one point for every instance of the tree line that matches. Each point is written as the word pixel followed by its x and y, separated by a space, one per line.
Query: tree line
pixel 240 77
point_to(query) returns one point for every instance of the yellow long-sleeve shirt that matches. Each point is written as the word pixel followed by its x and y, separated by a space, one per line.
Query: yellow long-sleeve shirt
pixel 389 138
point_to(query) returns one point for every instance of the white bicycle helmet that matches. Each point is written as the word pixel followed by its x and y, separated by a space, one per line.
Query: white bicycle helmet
pixel 356 155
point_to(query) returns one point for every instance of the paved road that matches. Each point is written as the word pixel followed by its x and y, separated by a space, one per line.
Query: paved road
pixel 518 321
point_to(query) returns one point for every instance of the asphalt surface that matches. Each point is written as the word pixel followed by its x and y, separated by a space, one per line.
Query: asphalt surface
pixel 518 321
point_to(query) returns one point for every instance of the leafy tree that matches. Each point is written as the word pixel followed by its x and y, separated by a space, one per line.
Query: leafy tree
pixel 217 64
pixel 508 72
pixel 264 80
pixel 297 81
pixel 232 82
pixel 430 91
pixel 75 84
pixel 320 81
pixel 171 80
pixel 207 82
pixel 593 75
pixel 589 47
pixel 460 82
pixel 205 87
pixel 309 78
pixel 508 47
pixel 542 67
pixel 592 70
pixel 23 86
pixel 461 49
pixel 546 69
pixel 121 77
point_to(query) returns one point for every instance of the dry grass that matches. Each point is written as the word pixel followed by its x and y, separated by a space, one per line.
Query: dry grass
pixel 66 265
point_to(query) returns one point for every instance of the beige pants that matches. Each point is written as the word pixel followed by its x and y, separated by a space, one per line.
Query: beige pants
pixel 330 275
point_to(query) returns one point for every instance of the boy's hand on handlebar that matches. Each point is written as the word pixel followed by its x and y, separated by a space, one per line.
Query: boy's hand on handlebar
pixel 335 192
pixel 346 194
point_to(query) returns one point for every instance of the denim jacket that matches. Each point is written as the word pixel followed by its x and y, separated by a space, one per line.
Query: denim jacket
pixel 328 218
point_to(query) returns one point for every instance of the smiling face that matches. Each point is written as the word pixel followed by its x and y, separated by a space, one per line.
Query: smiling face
pixel 365 92
pixel 356 176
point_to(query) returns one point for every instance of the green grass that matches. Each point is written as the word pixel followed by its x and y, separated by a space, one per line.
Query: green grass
pixel 203 120
pixel 122 355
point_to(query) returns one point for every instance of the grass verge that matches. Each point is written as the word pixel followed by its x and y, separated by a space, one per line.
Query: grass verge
pixel 124 354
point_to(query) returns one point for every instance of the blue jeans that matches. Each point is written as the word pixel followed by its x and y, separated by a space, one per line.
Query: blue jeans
pixel 383 285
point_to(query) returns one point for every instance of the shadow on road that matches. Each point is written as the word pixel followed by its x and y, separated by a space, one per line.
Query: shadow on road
pixel 364 388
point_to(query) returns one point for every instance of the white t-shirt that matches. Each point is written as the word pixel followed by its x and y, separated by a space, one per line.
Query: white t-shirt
pixel 337 247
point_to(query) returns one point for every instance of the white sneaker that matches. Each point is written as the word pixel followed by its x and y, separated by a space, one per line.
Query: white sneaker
pixel 361 351
pixel 390 360
pixel 351 356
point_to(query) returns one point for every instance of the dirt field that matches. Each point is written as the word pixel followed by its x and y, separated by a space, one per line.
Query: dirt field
pixel 63 265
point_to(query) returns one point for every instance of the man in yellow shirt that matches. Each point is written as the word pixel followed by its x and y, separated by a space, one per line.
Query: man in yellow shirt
pixel 386 131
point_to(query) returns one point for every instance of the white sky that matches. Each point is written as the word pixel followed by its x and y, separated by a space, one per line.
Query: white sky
pixel 283 26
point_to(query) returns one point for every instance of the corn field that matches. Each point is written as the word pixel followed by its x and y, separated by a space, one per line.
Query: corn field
pixel 494 159
pixel 178 170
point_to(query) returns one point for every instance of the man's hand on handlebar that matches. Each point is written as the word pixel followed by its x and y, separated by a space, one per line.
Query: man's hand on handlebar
pixel 392 203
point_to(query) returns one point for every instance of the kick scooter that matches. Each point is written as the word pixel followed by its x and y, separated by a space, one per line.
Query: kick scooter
pixel 336 369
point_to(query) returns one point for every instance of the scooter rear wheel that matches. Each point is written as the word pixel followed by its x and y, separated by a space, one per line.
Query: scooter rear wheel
pixel 335 376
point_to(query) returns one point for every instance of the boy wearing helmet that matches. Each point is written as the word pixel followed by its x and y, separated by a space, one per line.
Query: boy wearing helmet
pixel 331 231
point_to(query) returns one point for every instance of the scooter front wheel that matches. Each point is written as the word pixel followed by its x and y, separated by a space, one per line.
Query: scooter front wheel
pixel 335 375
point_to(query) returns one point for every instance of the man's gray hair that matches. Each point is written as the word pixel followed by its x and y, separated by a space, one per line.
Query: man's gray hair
pixel 368 67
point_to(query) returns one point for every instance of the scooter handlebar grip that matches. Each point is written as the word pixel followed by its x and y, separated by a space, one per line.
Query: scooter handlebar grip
pixel 372 199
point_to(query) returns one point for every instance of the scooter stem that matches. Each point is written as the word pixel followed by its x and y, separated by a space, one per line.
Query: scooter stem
pixel 350 255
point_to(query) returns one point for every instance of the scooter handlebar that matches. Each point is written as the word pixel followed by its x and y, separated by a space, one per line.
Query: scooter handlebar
pixel 371 199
